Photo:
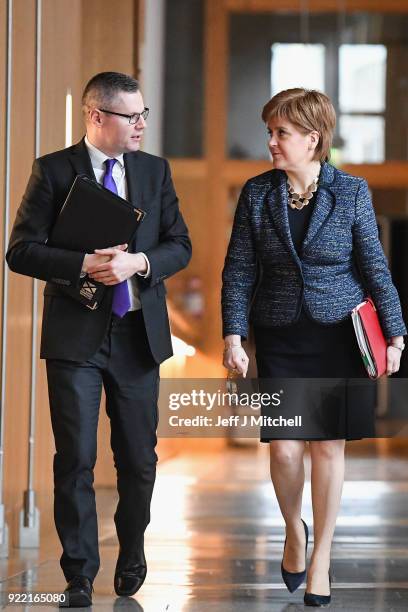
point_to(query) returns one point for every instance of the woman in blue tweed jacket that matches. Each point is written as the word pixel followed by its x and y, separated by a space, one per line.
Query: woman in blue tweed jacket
pixel 304 251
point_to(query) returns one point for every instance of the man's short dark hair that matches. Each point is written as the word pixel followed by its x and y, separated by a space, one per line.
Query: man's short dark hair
pixel 103 88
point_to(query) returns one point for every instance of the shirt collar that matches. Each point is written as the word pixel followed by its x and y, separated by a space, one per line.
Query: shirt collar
pixel 98 157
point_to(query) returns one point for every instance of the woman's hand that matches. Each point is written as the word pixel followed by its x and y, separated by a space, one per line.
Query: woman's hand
pixel 393 360
pixel 235 358
pixel 394 354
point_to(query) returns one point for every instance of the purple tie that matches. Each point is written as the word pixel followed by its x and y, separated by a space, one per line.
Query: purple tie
pixel 121 299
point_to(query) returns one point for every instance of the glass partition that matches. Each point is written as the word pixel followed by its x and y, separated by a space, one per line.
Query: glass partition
pixel 359 59
pixel 184 79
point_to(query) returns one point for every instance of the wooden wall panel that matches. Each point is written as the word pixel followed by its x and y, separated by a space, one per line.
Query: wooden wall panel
pixel 19 303
pixel 61 71
pixel 108 37
pixel 3 68
pixel 108 40
pixel 3 54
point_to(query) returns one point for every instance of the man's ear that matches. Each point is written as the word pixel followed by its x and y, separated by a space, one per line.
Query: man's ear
pixel 95 117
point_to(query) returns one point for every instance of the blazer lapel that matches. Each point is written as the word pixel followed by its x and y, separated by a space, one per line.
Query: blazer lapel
pixel 278 207
pixel 134 179
pixel 325 201
pixel 81 161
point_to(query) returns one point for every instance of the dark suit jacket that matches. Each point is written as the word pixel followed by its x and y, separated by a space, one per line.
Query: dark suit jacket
pixel 341 259
pixel 70 330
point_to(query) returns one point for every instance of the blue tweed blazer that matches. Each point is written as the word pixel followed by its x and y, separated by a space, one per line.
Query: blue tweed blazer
pixel 340 263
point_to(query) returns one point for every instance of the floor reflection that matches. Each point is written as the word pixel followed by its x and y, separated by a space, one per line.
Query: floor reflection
pixel 216 539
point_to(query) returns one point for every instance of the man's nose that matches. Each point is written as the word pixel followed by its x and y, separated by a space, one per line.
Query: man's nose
pixel 140 123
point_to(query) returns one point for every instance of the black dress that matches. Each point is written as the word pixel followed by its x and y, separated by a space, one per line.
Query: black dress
pixel 341 409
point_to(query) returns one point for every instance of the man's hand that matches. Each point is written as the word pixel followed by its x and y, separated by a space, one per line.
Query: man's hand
pixel 91 260
pixel 118 268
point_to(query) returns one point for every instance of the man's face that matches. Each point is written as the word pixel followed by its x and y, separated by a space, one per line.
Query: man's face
pixel 112 133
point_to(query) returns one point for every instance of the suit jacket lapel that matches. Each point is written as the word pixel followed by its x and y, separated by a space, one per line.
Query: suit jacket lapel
pixel 134 179
pixel 278 207
pixel 81 161
pixel 324 205
pixel 134 182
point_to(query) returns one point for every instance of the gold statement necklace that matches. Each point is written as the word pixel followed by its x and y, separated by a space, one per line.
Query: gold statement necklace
pixel 300 200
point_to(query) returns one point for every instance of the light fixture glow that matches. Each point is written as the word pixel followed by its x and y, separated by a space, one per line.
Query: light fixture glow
pixel 68 118
pixel 181 348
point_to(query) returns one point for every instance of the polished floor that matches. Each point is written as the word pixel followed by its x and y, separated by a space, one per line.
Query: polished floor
pixel 215 541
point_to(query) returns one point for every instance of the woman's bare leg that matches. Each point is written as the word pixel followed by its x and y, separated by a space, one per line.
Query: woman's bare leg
pixel 288 478
pixel 327 482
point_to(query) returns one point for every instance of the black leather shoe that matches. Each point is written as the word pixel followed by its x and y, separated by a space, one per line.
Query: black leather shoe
pixel 130 574
pixel 318 601
pixel 78 593
pixel 293 580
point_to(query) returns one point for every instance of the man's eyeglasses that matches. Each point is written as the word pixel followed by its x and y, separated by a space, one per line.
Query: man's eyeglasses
pixel 132 118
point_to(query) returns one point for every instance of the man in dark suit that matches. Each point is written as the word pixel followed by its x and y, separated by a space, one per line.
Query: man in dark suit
pixel 120 344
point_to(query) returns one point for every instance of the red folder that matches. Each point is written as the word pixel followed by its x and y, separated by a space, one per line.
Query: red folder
pixel 370 338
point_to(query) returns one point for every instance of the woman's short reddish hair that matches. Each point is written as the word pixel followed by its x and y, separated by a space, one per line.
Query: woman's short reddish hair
pixel 308 110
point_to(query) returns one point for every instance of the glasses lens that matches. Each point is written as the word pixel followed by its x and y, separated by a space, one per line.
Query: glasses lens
pixel 135 118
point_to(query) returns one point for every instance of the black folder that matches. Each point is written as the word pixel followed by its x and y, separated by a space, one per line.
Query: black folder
pixel 93 217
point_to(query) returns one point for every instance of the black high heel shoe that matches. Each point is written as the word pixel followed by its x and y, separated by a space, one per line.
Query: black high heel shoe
pixel 293 580
pixel 317 601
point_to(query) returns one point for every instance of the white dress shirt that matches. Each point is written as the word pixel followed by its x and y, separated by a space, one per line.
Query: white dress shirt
pixel 98 159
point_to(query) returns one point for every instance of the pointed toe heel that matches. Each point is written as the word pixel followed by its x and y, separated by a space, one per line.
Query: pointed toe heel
pixel 317 601
pixel 293 580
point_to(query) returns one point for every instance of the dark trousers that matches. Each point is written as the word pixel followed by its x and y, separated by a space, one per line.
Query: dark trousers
pixel 125 368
